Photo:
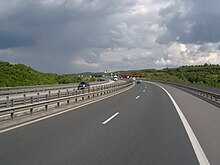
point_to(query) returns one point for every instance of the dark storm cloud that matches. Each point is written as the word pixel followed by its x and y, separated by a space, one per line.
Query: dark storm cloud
pixel 191 22
pixel 7 41
pixel 55 32
pixel 51 20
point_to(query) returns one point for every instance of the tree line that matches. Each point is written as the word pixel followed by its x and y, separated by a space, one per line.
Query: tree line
pixel 21 75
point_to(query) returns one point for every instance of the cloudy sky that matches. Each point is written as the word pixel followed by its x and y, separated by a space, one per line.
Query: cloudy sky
pixel 71 36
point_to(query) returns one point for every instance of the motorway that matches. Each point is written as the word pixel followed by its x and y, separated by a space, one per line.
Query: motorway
pixel 139 126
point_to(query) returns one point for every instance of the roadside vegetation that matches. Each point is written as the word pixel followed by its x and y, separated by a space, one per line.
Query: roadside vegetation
pixel 21 75
pixel 207 75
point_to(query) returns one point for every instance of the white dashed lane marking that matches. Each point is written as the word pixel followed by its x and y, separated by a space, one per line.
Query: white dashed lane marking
pixel 106 121
pixel 137 97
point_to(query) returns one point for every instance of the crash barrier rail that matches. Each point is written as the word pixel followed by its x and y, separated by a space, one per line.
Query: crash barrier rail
pixel 204 93
pixel 34 102
pixel 37 88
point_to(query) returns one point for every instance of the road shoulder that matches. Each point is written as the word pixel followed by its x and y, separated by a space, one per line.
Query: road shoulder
pixel 203 117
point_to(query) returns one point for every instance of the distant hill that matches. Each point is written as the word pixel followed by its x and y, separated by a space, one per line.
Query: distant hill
pixel 21 75
pixel 208 75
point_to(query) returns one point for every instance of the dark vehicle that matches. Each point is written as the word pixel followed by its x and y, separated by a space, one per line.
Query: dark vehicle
pixel 138 82
pixel 83 85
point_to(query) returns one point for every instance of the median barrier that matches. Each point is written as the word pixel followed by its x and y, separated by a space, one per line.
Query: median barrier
pixel 45 102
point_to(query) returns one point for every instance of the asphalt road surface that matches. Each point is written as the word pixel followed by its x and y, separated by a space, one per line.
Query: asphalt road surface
pixel 139 126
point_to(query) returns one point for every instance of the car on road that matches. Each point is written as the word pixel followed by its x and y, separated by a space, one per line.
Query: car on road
pixel 115 78
pixel 138 82
pixel 83 85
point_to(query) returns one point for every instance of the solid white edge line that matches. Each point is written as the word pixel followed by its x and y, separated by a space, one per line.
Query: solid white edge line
pixel 113 116
pixel 58 113
pixel 203 160
pixel 137 97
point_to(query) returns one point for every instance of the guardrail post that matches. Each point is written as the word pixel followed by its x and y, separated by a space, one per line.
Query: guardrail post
pixel 24 99
pixel 76 100
pixel 58 94
pixel 7 101
pixel 58 104
pixel 49 95
pixel 46 107
pixel 67 93
pixel 31 111
pixel 38 97
pixel 32 99
pixel 46 96
pixel 82 98
pixel 68 102
pixel 12 102
pixel 12 114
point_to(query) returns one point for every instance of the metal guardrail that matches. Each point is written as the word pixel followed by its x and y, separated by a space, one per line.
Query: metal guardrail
pixel 209 95
pixel 29 104
pixel 37 88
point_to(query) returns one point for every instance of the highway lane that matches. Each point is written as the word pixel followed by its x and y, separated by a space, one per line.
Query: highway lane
pixel 146 130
